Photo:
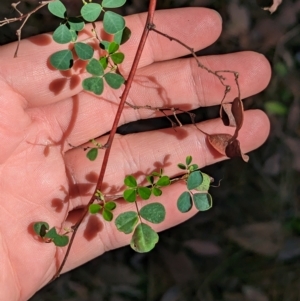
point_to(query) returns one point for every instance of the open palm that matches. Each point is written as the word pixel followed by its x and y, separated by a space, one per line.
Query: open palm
pixel 43 111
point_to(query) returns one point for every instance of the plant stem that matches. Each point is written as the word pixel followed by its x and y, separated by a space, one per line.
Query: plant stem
pixel 151 10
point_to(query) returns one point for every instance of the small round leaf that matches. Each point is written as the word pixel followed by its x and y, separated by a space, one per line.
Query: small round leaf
pixel 113 47
pixel 204 186
pixel 122 36
pixel 110 205
pixel 118 57
pixel 143 239
pixel 130 195
pixel 92 154
pixel 203 201
pixel 163 181
pixel 113 3
pixel 62 34
pixel 93 84
pixel 62 60
pixel 107 215
pixel 154 213
pixel 84 51
pixel 113 22
pixel 57 9
pixel 40 228
pixel 114 80
pixel 94 208
pixel 184 202
pixel 126 221
pixel 144 192
pixel 181 166
pixel 59 240
pixel 94 67
pixel 156 191
pixel 91 11
pixel 194 180
pixel 130 181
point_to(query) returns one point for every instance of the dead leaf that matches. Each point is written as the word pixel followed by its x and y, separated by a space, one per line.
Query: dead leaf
pixel 226 115
pixel 262 238
pixel 233 150
pixel 226 145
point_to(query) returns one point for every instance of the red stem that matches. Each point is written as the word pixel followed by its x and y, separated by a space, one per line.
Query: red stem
pixel 148 24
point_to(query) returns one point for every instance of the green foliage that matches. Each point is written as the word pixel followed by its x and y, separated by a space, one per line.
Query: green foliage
pixel 154 213
pixel 113 3
pixel 195 180
pixel 92 154
pixel 91 11
pixel 57 8
pixel 42 230
pixel 62 60
pixel 95 208
pixel 83 51
pixel 93 84
pixel 113 22
pixel 143 239
pixel 114 80
pixel 62 34
pixel 126 221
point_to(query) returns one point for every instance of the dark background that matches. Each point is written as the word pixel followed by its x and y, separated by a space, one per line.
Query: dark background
pixel 247 247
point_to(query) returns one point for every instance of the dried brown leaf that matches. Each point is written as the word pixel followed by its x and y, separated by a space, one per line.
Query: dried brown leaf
pixel 269 5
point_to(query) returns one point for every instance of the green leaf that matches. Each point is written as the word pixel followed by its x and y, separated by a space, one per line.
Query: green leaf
pixel 113 22
pixel 122 36
pixel 62 34
pixel 184 202
pixel 113 3
pixel 163 181
pixel 130 181
pixel 40 228
pixel 91 11
pixel 59 240
pixel 110 205
pixel 156 191
pixel 114 80
pixel 181 166
pixel 205 183
pixel 194 180
pixel 107 215
pixel 118 58
pixel 62 60
pixel 193 167
pixel 203 201
pixel 188 160
pixel 126 221
pixel 94 208
pixel 84 51
pixel 93 84
pixel 104 62
pixel 92 154
pixel 94 67
pixel 143 239
pixel 144 192
pixel 57 9
pixel 76 23
pixel 130 195
pixel 154 213
pixel 113 47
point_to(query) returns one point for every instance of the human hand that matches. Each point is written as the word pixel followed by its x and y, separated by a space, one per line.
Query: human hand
pixel 42 111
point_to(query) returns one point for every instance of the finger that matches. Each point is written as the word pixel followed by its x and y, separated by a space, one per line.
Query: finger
pixel 95 236
pixel 164 84
pixel 141 153
pixel 41 85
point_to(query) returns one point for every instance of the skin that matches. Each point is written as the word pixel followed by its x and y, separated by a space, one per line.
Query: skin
pixel 43 110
